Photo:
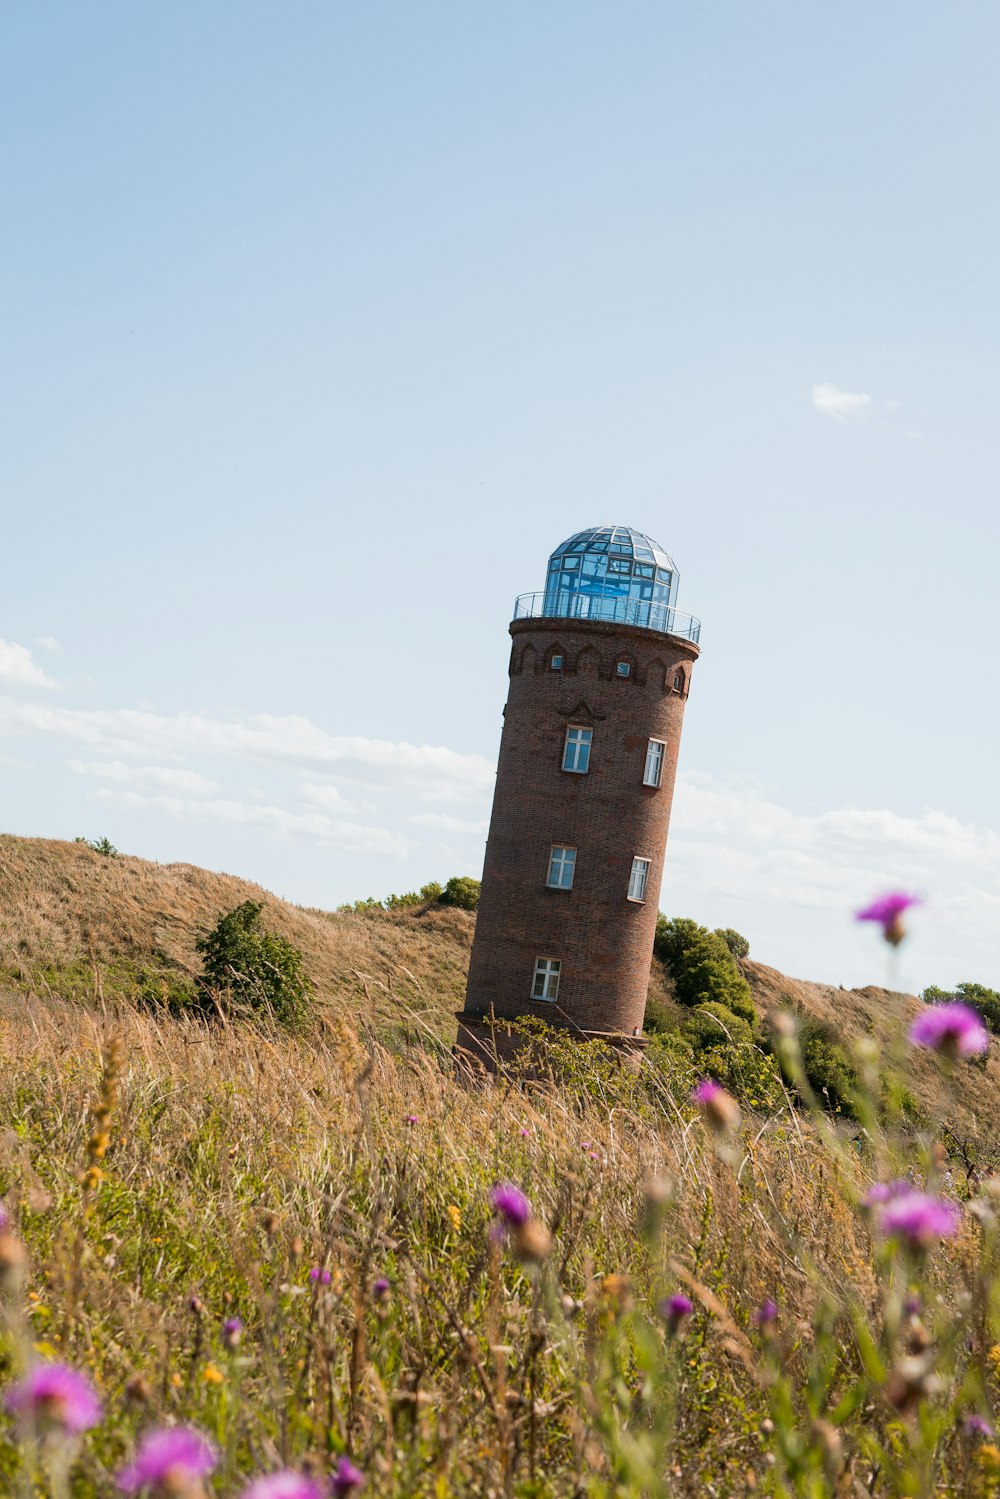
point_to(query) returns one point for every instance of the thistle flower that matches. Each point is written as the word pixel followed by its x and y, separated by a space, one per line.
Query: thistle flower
pixel 382 1289
pixel 346 1478
pixel 888 910
pixel 917 1219
pixel 411 1120
pixel 721 1111
pixel 953 1029
pixel 510 1205
pixel 283 1485
pixel 674 1309
pixel 54 1397
pixel 879 1193
pixel 766 1314
pixel 978 1426
pixel 320 1276
pixel 4 1217
pixel 232 1331
pixel 169 1461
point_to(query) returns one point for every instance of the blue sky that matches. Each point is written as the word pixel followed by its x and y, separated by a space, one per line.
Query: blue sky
pixel 322 327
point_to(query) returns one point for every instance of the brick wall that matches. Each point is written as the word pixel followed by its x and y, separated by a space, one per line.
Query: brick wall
pixel 603 940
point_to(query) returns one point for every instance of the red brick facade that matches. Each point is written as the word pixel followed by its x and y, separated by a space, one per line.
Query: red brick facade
pixel 602 939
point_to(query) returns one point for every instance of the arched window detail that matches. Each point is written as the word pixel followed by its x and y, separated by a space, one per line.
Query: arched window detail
pixel 680 681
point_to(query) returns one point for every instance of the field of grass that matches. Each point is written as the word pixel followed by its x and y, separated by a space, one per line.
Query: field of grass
pixel 331 1194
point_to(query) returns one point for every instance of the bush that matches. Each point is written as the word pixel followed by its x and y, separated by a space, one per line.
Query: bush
pixel 100 846
pixel 714 1025
pixel 247 967
pixel 828 1070
pixel 427 895
pixel 461 891
pixel 702 967
pixel 735 941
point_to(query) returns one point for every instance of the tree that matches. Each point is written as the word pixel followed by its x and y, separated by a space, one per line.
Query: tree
pixel 735 941
pixel 702 967
pixel 461 891
pixel 100 846
pixel 247 967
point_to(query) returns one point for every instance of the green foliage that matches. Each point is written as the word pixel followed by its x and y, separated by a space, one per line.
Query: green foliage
pixel 427 895
pixel 100 846
pixel 713 1024
pixel 738 945
pixel 986 1002
pixel 461 891
pixel 750 1074
pixel 827 1067
pixel 702 967
pixel 249 968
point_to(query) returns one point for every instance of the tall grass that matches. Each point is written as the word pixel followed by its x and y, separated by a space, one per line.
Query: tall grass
pixel 168 1178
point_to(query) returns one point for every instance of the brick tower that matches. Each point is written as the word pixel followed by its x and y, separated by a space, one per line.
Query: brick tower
pixel 599 675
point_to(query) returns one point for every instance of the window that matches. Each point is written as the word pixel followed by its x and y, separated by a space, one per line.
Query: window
pixel 555 663
pixel 637 879
pixel 623 669
pixel 576 754
pixel 679 680
pixel 562 863
pixel 546 985
pixel 654 762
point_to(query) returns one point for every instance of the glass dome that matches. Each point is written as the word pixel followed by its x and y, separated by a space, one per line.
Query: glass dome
pixel 610 572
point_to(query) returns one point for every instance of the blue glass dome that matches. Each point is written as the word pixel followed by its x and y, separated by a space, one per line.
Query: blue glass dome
pixel 599 573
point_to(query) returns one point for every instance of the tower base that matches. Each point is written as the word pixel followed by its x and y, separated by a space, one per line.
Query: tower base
pixel 487 1044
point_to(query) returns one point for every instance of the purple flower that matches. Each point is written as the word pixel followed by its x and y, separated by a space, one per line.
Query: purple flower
pixel 346 1478
pixel 54 1397
pixel 382 1289
pixel 888 910
pixel 880 1193
pixel 720 1109
pixel 411 1119
pixel 674 1309
pixel 283 1485
pixel 169 1460
pixel 525 1132
pixel 4 1217
pixel 232 1331
pixel 954 1029
pixel 978 1426
pixel 510 1204
pixel 918 1219
pixel 766 1313
pixel 319 1276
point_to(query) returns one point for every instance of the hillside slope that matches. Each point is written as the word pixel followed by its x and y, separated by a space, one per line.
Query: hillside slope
pixel 75 922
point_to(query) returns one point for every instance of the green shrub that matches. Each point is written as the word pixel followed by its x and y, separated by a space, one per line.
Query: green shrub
pixel 750 1074
pixel 736 942
pixel 247 967
pixel 986 1002
pixel 100 846
pixel 713 1025
pixel 702 967
pixel 461 891
pixel 828 1070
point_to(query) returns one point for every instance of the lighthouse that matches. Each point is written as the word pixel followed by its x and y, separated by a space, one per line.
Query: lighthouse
pixel 600 671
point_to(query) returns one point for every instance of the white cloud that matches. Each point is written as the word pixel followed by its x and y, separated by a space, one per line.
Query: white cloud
pixel 49 642
pixel 843 405
pixel 425 769
pixel 323 796
pixel 312 827
pixel 445 823
pixel 169 778
pixel 17 669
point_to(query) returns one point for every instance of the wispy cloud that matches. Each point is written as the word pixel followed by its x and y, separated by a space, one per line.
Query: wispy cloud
pixel 842 405
pixel 157 777
pixel 443 822
pixel 312 827
pixel 18 669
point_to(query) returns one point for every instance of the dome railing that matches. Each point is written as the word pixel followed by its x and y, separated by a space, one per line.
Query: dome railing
pixel 620 611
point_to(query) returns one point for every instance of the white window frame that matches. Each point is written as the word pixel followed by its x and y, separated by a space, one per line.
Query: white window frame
pixel 679 680
pixel 562 858
pixel 638 879
pixel 577 745
pixel 652 773
pixel 548 970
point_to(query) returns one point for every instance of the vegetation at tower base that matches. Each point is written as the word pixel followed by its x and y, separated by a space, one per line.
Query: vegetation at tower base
pixel 249 969
pixel 293 1242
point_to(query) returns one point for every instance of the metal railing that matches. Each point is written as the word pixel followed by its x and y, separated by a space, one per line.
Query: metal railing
pixel 642 612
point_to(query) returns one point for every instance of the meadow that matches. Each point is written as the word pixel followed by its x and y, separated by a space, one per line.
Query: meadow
pixel 330 1267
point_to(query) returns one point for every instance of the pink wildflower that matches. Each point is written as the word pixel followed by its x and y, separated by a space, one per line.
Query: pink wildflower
pixel 674 1309
pixel 888 910
pixel 918 1219
pixel 346 1478
pixel 978 1426
pixel 953 1029
pixel 170 1460
pixel 510 1205
pixel 766 1313
pixel 720 1109
pixel 54 1397
pixel 320 1276
pixel 283 1485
